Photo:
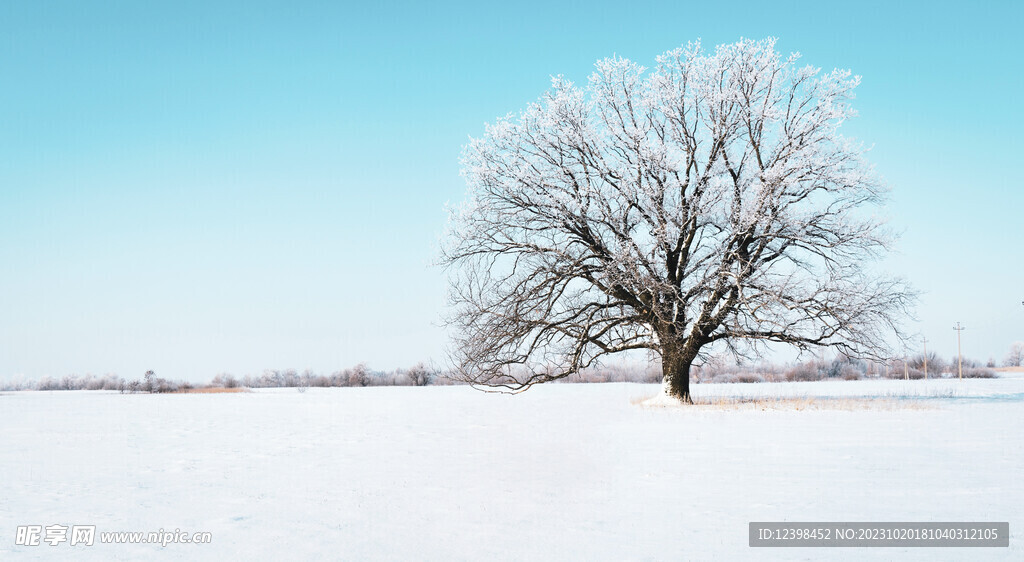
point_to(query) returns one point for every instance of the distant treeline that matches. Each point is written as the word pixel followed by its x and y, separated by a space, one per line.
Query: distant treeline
pixel 842 368
pixel 360 375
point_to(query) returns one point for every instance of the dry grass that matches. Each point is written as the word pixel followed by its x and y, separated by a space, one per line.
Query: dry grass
pixel 215 390
pixel 1009 369
pixel 781 403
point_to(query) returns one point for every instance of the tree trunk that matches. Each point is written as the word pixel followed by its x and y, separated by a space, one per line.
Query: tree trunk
pixel 675 368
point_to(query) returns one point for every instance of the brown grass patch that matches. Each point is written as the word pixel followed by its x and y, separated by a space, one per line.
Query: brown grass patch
pixel 782 403
pixel 1009 369
pixel 215 390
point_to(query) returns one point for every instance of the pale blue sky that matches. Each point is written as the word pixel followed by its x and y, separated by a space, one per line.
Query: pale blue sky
pixel 195 189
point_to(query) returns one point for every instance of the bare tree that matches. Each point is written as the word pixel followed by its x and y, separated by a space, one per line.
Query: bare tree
pixel 358 375
pixel 419 375
pixel 1015 358
pixel 709 203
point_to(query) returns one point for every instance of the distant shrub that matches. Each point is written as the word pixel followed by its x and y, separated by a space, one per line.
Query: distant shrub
pixel 419 375
pixel 935 363
pixel 740 377
pixel 358 375
pixel 898 372
pixel 803 372
pixel 620 373
pixel 979 373
pixel 850 374
pixel 914 374
pixel 48 383
pixel 163 385
pixel 224 380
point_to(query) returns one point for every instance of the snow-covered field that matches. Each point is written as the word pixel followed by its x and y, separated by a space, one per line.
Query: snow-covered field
pixel 562 472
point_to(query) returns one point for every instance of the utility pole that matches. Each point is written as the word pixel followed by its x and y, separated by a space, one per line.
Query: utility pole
pixel 925 341
pixel 959 355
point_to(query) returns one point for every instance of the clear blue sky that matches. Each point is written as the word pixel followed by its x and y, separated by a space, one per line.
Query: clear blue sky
pixel 206 187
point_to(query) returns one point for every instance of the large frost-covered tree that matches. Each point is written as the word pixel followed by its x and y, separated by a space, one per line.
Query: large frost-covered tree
pixel 708 203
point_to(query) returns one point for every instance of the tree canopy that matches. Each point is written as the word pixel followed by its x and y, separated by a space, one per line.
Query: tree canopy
pixel 708 203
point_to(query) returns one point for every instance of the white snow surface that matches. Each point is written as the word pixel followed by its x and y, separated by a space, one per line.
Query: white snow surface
pixel 561 472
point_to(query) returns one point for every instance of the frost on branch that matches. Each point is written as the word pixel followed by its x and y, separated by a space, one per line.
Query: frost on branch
pixel 709 201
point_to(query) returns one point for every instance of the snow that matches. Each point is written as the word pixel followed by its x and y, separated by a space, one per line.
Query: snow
pixel 560 472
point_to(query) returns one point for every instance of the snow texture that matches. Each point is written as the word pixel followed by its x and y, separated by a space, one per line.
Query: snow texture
pixel 563 472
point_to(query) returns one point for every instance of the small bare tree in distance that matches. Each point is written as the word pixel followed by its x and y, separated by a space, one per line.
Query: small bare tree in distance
pixel 710 202
pixel 1015 358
